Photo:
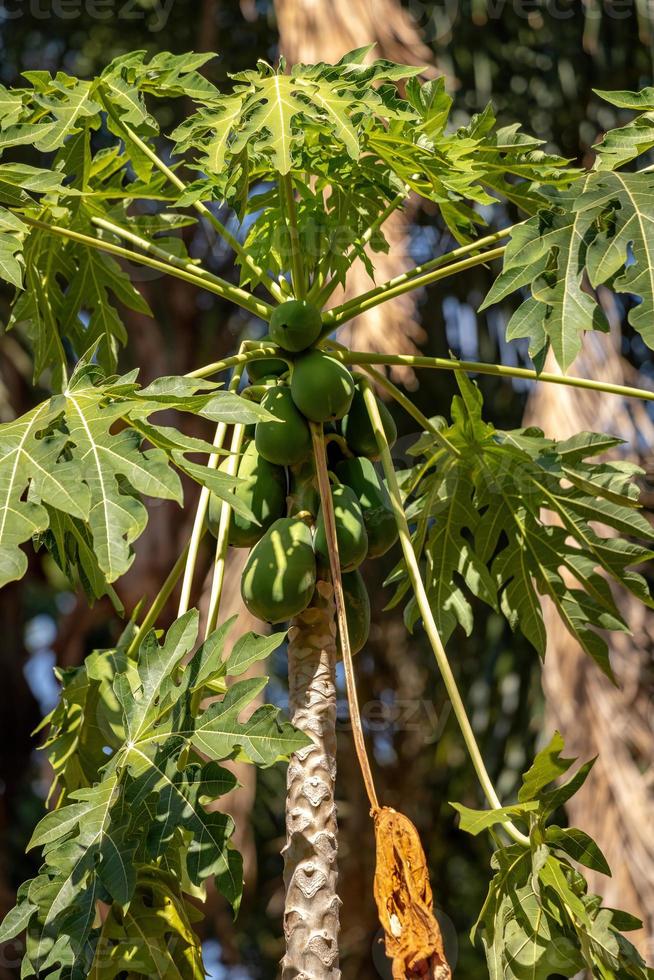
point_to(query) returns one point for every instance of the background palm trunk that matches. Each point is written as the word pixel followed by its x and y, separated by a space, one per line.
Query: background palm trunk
pixel 311 916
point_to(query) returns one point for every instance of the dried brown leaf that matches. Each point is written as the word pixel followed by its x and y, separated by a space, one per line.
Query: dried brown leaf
pixel 404 900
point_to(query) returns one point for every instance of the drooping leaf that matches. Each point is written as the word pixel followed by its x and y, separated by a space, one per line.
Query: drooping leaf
pixel 601 230
pixel 134 829
pixel 72 470
pixel 482 511
pixel 538 919
pixel 621 145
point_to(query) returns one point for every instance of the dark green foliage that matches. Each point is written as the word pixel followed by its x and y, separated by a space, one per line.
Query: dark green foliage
pixel 133 830
pixel 539 918
pixel 480 507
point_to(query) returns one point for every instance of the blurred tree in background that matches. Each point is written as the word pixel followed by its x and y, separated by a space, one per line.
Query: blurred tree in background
pixel 538 62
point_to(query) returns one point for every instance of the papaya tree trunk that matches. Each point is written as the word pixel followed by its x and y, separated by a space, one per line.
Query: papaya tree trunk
pixel 311 916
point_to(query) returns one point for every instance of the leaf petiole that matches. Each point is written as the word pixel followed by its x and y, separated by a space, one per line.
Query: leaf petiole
pixel 429 623
pixel 362 358
pixel 189 271
pixel 199 206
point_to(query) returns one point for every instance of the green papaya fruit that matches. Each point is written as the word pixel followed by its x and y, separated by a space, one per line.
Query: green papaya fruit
pixel 295 325
pixel 357 609
pixel 280 574
pixel 262 488
pixel 360 474
pixel 358 431
pixel 351 531
pixel 322 387
pixel 304 495
pixel 267 367
pixel 287 441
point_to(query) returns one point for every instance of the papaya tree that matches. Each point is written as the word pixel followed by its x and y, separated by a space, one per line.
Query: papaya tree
pixel 297 170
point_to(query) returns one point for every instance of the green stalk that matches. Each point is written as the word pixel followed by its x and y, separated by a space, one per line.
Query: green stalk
pixel 252 351
pixel 188 271
pixel 222 541
pixel 297 263
pixel 201 208
pixel 159 602
pixel 327 505
pixel 203 502
pixel 400 285
pixel 497 370
pixel 160 253
pixel 427 617
pixel 199 526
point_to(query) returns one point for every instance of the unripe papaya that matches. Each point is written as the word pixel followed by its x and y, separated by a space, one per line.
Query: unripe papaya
pixel 358 431
pixel 280 574
pixel 304 495
pixel 267 367
pixel 262 487
pixel 351 531
pixel 322 387
pixel 360 474
pixel 288 441
pixel 295 325
pixel 357 609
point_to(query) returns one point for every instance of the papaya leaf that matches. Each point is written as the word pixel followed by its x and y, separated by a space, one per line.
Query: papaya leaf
pixel 154 937
pixel 475 821
pixel 626 143
pixel 70 479
pixel 29 458
pixel 11 247
pixel 538 918
pixel 267 118
pixel 602 229
pixel 484 520
pixel 134 828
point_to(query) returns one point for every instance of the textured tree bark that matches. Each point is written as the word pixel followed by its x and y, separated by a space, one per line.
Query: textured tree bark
pixel 311 916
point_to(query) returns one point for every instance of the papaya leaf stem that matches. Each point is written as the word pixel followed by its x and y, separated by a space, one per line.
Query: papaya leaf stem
pixel 402 284
pixel 202 507
pixel 154 249
pixel 427 617
pixel 158 603
pixel 187 271
pixel 222 539
pixel 362 358
pixel 297 264
pixel 251 350
pixel 327 505
pixel 129 135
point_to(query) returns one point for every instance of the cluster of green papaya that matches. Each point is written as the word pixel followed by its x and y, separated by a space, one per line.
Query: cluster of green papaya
pixel 277 483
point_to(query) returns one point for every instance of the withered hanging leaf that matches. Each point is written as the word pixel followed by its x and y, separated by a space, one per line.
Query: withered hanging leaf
pixel 404 900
